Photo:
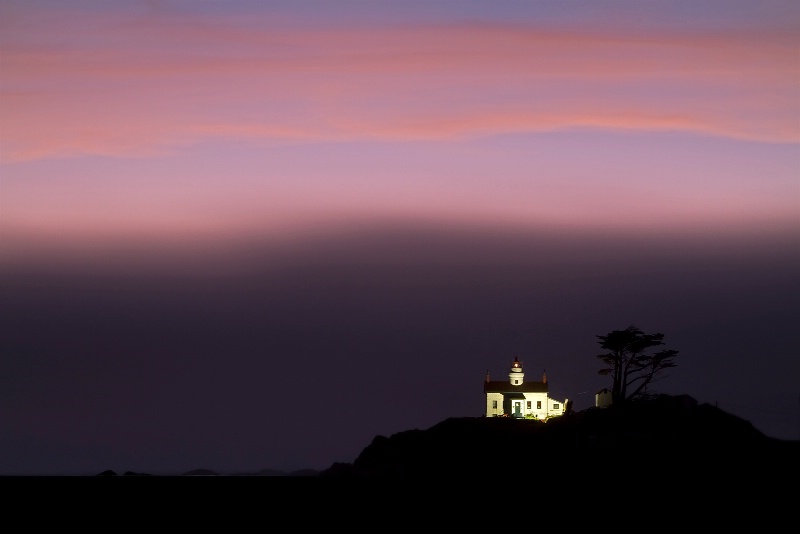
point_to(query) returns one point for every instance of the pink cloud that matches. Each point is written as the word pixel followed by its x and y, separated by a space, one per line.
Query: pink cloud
pixel 127 88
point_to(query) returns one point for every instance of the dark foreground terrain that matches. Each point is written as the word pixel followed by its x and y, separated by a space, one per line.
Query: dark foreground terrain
pixel 668 439
pixel 663 440
pixel 666 462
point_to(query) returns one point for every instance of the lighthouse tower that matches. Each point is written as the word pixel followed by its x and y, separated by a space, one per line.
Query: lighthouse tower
pixel 516 375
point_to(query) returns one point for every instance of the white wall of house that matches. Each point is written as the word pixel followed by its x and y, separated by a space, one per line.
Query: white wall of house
pixel 494 404
pixel 536 405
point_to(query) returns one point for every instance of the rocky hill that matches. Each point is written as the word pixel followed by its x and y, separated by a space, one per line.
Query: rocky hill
pixel 667 438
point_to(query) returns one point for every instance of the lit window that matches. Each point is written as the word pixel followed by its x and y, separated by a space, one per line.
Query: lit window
pixel 538 405
pixel 555 406
pixel 494 404
pixel 529 405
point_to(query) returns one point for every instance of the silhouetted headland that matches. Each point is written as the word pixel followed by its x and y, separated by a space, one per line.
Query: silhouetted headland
pixel 667 437
pixel 662 439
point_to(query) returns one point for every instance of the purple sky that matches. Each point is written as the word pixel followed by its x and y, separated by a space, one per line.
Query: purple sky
pixel 246 235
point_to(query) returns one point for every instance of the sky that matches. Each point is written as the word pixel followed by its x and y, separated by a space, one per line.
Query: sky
pixel 245 235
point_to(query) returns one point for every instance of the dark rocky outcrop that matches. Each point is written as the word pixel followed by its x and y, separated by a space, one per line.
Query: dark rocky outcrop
pixel 666 438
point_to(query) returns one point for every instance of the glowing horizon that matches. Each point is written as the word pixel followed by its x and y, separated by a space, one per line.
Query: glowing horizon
pixel 183 122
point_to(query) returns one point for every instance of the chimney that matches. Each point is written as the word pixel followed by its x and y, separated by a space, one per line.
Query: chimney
pixel 544 377
pixel 487 375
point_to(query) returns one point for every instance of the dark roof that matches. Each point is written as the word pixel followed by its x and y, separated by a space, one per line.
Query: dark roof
pixel 498 386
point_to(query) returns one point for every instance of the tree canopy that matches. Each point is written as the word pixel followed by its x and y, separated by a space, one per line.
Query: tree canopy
pixel 628 360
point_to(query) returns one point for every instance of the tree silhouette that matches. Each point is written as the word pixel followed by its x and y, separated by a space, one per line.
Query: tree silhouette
pixel 628 362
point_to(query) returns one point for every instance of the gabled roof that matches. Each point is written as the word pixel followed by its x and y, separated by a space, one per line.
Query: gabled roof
pixel 504 386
